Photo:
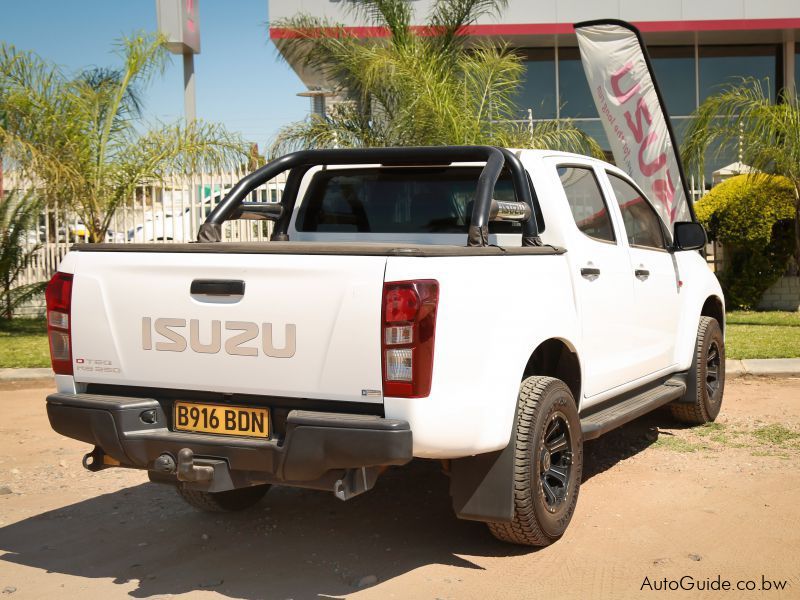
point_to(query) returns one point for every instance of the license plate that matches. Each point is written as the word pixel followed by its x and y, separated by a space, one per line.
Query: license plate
pixel 222 420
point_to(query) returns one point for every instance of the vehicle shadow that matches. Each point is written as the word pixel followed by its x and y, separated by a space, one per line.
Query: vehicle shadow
pixel 295 544
pixel 605 452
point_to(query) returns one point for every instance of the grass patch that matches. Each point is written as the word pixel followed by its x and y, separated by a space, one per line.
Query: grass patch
pixel 717 433
pixel 775 434
pixel 767 440
pixel 710 429
pixel 767 334
pixel 764 317
pixel 676 444
pixel 762 453
pixel 23 343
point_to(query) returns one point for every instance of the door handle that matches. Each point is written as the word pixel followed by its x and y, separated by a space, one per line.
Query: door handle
pixel 217 287
pixel 590 273
pixel 641 274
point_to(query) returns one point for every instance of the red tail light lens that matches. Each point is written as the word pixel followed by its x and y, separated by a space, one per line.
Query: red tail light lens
pixel 58 295
pixel 407 337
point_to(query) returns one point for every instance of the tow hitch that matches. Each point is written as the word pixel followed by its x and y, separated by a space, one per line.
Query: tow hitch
pixel 189 471
pixel 209 474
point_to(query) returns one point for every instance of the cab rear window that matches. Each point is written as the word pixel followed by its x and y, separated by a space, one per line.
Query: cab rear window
pixel 397 200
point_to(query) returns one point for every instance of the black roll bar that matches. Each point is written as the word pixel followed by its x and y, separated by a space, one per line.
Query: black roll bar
pixel 298 164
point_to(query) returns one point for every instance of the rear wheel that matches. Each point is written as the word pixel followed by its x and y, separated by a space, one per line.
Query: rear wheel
pixel 706 377
pixel 232 500
pixel 548 463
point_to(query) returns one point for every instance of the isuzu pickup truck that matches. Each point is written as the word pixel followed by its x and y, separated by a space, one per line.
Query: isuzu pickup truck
pixel 487 308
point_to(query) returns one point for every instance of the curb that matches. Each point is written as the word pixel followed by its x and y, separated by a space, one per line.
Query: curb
pixel 25 374
pixel 775 367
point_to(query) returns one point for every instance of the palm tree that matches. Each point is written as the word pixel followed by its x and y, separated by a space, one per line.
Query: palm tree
pixel 18 220
pixel 80 138
pixel 420 86
pixel 741 116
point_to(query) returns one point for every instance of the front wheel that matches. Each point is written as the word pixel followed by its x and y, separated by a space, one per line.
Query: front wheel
pixel 548 463
pixel 706 377
pixel 229 501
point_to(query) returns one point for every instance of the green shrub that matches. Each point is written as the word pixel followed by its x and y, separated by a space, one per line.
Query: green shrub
pixel 752 217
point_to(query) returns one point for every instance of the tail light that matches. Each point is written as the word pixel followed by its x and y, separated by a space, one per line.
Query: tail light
pixel 407 336
pixel 59 299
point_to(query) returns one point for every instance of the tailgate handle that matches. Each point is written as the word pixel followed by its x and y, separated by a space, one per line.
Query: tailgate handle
pixel 218 287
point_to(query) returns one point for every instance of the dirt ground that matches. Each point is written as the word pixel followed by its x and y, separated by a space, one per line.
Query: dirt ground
pixel 658 501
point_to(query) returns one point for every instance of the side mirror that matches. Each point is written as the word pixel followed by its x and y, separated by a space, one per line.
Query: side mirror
pixel 258 211
pixel 689 236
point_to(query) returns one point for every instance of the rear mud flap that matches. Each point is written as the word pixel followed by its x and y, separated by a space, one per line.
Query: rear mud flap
pixel 482 486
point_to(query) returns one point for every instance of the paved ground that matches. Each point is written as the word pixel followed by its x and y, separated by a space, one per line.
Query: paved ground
pixel 658 501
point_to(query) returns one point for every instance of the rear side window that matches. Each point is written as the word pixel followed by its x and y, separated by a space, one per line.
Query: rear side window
pixel 397 200
pixel 642 224
pixel 586 202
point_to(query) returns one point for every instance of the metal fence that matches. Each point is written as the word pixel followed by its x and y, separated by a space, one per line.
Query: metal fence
pixel 170 212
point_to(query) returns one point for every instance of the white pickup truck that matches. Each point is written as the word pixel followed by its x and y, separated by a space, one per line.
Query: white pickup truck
pixel 488 308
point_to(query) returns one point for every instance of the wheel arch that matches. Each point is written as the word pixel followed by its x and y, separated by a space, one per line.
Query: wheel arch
pixel 713 307
pixel 556 357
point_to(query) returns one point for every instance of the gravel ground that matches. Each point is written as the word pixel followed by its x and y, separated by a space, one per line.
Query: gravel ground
pixel 658 501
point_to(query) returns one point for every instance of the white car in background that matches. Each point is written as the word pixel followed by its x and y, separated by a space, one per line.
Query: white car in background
pixel 167 226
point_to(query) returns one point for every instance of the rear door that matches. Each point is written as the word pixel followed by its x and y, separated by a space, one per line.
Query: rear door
pixel 267 324
pixel 603 285
pixel 656 285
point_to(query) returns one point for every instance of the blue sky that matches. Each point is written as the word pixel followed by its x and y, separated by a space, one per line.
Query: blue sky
pixel 240 81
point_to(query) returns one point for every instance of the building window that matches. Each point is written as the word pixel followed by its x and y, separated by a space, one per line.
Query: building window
pixel 674 67
pixel 726 65
pixel 574 93
pixel 538 89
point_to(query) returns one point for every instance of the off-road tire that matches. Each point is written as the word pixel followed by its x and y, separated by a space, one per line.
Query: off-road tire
pixel 544 405
pixel 230 501
pixel 704 396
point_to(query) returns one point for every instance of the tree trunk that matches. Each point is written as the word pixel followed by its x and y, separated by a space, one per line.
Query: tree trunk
pixel 97 233
pixel 7 292
pixel 795 268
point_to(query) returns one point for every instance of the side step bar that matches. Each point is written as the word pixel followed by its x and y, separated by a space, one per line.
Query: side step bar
pixel 627 409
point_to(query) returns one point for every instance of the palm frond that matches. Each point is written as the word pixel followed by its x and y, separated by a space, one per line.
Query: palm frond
pixel 18 217
pixel 394 15
pixel 561 135
pixel 448 18
pixel 177 149
pixel 742 117
pixel 345 127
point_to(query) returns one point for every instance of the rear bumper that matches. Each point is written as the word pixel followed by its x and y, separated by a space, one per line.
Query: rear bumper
pixel 317 449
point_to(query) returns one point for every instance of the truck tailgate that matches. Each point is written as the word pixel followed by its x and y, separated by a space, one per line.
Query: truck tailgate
pixel 305 326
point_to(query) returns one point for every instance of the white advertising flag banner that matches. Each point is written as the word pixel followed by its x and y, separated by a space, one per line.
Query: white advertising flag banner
pixel 633 117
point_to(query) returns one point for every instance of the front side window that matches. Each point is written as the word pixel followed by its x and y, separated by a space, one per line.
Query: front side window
pixel 586 202
pixel 642 225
